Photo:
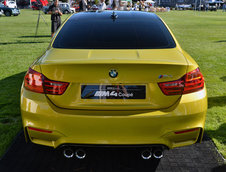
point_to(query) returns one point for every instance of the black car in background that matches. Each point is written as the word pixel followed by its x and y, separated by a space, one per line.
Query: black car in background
pixel 9 11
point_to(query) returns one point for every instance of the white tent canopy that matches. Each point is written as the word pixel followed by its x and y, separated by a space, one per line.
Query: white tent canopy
pixel 150 1
pixel 213 1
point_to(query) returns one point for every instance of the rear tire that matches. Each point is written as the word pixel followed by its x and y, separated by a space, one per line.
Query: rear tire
pixel 7 13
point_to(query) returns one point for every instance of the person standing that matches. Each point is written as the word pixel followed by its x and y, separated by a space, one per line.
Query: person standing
pixel 115 4
pixel 102 6
pixel 80 5
pixel 140 6
pixel 84 5
pixel 224 8
pixel 4 3
pixel 55 12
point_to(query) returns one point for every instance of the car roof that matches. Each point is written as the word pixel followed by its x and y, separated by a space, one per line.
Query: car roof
pixel 107 15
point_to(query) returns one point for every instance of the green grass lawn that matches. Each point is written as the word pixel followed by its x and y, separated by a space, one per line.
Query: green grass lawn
pixel 201 34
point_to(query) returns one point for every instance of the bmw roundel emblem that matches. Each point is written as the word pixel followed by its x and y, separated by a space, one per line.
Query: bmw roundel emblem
pixel 113 73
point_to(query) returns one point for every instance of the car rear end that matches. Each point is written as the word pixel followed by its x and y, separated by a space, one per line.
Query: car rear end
pixel 15 11
pixel 110 92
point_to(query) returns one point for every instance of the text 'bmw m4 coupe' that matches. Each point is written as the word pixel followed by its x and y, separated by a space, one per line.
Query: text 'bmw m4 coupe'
pixel 114 79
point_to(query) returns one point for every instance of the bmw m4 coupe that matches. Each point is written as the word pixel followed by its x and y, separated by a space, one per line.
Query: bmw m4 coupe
pixel 114 79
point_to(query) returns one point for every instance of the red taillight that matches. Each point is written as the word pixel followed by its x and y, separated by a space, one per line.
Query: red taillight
pixel 194 81
pixel 54 87
pixel 172 87
pixel 33 81
pixel 191 82
pixel 37 82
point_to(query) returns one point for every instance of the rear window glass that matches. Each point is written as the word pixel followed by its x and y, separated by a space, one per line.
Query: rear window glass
pixel 119 34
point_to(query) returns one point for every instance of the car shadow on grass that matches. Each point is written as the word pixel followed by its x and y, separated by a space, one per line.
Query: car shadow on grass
pixel 223 78
pixel 10 97
pixel 220 41
pixel 10 120
pixel 37 36
pixel 219 133
pixel 22 42
pixel 216 101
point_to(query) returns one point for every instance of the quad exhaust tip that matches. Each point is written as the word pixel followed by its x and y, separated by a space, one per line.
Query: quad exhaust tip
pixel 68 153
pixel 80 154
pixel 157 153
pixel 146 154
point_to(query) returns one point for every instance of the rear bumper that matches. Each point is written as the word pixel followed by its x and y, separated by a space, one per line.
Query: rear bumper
pixel 114 127
pixel 16 12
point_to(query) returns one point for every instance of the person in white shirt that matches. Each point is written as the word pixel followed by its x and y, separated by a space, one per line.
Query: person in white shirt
pixel 102 6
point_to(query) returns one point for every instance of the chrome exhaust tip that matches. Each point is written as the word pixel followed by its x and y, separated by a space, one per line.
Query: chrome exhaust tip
pixel 80 154
pixel 68 153
pixel 158 153
pixel 146 154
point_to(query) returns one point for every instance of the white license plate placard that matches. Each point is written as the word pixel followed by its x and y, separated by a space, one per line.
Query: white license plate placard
pixel 113 91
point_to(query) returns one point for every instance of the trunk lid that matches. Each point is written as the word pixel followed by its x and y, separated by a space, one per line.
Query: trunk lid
pixel 135 68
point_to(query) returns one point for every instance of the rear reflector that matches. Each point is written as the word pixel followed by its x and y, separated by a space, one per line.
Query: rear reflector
pixel 186 131
pixel 191 82
pixel 37 82
pixel 40 130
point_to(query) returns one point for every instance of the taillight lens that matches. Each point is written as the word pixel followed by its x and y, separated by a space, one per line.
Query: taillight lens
pixel 191 82
pixel 37 82
pixel 33 81
pixel 194 81
pixel 54 87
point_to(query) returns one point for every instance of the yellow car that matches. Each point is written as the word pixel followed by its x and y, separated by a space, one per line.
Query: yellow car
pixel 114 79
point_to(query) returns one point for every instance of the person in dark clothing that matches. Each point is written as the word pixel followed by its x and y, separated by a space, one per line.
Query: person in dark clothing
pixel 80 6
pixel 55 12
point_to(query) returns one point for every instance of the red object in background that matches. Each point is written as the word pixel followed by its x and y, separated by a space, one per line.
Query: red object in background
pixel 43 2
pixel 4 2
pixel 35 3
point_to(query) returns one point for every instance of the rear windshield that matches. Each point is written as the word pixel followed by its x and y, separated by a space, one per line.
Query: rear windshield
pixel 118 34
